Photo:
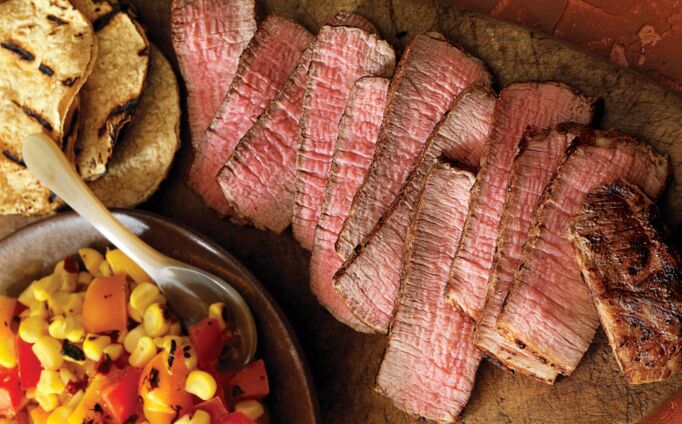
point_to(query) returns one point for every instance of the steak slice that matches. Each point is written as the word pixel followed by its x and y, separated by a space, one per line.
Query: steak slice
pixel 341 56
pixel 272 55
pixel 258 179
pixel 548 309
pixel 538 105
pixel 352 20
pixel 429 366
pixel 369 280
pixel 634 278
pixel 431 73
pixel 208 37
pixel 539 155
pixel 358 132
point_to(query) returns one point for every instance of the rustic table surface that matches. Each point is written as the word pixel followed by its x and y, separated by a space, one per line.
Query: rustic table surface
pixel 344 363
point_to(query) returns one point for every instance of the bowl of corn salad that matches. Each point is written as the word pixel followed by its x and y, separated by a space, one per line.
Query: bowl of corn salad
pixel 87 337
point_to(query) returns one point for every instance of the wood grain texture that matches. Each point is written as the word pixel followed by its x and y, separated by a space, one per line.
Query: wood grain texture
pixel 344 363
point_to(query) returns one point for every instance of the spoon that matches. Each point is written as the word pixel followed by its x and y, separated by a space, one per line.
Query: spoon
pixel 189 290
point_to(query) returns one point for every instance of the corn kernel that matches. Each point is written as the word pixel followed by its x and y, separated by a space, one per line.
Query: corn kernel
pixel 132 338
pixel 105 270
pixel 201 384
pixel 67 376
pixel 48 351
pixel 68 281
pixel 39 310
pixel 144 295
pixel 59 415
pixel 47 402
pixel 32 328
pixel 44 287
pixel 217 312
pixel 27 297
pixel 143 353
pixel 200 417
pixel 185 419
pixel 57 328
pixel 92 260
pixel 74 305
pixel 84 278
pixel 121 263
pixel 8 357
pixel 57 302
pixel 155 321
pixel 252 409
pixel 93 346
pixel 114 351
pixel 190 356
pixel 75 399
pixel 50 382
pixel 74 331
pixel 134 314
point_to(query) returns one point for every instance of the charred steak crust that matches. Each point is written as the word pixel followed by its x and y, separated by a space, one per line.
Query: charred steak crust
pixel 635 280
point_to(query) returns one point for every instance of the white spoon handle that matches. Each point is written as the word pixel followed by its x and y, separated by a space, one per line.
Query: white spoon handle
pixel 49 165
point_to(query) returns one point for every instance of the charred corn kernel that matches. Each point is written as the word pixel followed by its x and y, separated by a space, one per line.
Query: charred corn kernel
pixel 200 417
pixel 185 419
pixel 50 382
pixel 32 328
pixel 144 295
pixel 217 312
pixel 47 402
pixel 45 287
pixel 84 278
pixel 57 302
pixel 133 337
pixel 105 270
pixel 48 351
pixel 92 259
pixel 143 353
pixel 166 342
pixel 119 262
pixel 8 357
pixel 252 409
pixel 155 321
pixel 67 376
pixel 74 331
pixel 190 356
pixel 93 346
pixel 59 415
pixel 201 384
pixel 74 304
pixel 114 351
pixel 57 328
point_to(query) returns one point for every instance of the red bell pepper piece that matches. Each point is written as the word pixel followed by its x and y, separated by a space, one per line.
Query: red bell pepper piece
pixel 207 340
pixel 120 397
pixel 215 407
pixel 10 392
pixel 28 365
pixel 235 418
pixel 250 383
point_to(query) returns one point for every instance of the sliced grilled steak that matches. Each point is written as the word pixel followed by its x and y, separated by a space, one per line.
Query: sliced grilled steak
pixel 431 73
pixel 258 179
pixel 369 280
pixel 538 105
pixel 635 280
pixel 549 309
pixel 540 153
pixel 208 38
pixel 352 20
pixel 272 55
pixel 341 56
pixel 430 363
pixel 358 133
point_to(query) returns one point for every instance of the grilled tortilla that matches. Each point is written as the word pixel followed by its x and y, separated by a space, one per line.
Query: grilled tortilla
pixel 144 154
pixel 47 51
pixel 111 94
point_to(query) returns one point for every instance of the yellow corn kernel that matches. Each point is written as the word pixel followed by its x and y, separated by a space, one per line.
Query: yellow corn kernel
pixel 74 304
pixel 47 402
pixel 252 409
pixel 121 263
pixel 185 419
pixel 84 278
pixel 200 417
pixel 114 351
pixel 75 400
pixel 133 337
pixel 27 297
pixel 48 351
pixel 144 295
pixel 57 328
pixel 57 302
pixel 134 314
pixel 217 312
pixel 92 260
pixel 189 355
pixel 93 346
pixel 67 376
pixel 201 384
pixel 155 322
pixel 143 353
pixel 67 281
pixel 105 270
pixel 32 328
pixel 74 331
pixel 50 382
pixel 44 287
pixel 8 357
pixel 39 310
pixel 59 415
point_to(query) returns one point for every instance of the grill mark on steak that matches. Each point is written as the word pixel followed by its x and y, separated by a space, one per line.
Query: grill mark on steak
pixel 429 366
pixel 15 48
pixel 536 161
pixel 548 307
pixel 634 278
pixel 358 132
pixel 431 73
pixel 341 56
pixel 521 105
pixel 272 55
pixel 369 280
pixel 35 116
pixel 259 177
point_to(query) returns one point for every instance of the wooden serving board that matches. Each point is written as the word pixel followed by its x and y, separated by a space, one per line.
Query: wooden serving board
pixel 344 363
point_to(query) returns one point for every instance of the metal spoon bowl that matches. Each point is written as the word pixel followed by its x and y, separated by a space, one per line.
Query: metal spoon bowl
pixel 189 290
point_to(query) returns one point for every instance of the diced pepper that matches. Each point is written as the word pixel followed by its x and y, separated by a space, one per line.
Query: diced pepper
pixel 235 418
pixel 250 383
pixel 28 364
pixel 120 263
pixel 161 388
pixel 10 392
pixel 207 340
pixel 7 308
pixel 120 396
pixel 104 307
pixel 38 415
pixel 89 407
pixel 215 407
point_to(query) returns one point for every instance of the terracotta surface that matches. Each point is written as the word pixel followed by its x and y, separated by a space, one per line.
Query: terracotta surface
pixel 344 363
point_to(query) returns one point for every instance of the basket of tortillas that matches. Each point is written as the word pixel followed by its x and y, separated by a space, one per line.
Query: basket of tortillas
pixel 84 73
